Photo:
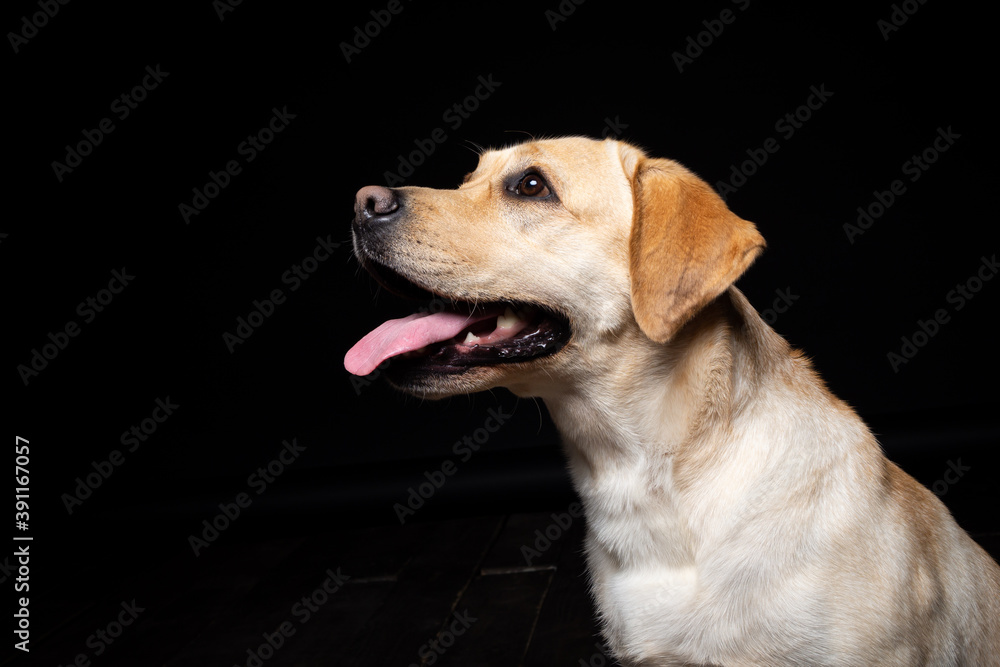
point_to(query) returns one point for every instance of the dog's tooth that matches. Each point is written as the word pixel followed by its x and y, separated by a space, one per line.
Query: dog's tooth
pixel 470 339
pixel 508 319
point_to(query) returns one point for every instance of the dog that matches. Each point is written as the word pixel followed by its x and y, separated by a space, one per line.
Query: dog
pixel 737 512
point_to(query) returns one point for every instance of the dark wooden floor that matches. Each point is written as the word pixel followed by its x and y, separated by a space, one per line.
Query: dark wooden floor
pixel 451 592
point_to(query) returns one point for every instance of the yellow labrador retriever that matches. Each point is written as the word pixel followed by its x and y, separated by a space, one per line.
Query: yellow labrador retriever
pixel 737 512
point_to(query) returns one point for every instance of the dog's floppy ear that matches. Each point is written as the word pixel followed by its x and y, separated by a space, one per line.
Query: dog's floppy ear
pixel 686 247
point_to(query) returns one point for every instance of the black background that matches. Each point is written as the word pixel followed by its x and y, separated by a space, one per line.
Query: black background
pixel 606 67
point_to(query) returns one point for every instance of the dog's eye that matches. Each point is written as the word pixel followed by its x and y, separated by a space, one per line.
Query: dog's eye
pixel 533 185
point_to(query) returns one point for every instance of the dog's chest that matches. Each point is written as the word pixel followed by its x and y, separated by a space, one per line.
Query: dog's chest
pixel 654 586
pixel 633 513
pixel 646 583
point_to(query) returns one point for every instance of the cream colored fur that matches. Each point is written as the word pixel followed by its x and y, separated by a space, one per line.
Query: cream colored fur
pixel 737 512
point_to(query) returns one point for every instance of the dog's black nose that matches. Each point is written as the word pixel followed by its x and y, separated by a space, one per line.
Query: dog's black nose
pixel 374 201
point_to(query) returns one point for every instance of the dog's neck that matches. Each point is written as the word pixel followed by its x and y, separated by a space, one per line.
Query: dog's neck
pixel 666 395
pixel 673 405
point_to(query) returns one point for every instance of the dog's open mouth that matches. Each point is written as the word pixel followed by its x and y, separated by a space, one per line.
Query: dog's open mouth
pixel 452 336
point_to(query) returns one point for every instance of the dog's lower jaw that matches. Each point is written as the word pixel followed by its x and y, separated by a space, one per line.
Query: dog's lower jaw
pixel 434 386
pixel 530 375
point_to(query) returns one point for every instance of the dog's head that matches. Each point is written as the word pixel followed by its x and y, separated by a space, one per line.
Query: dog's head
pixel 547 250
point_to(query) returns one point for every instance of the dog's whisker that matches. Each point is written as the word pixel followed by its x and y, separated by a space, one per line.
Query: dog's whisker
pixel 476 148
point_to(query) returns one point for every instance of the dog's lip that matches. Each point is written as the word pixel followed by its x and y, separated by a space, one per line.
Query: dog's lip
pixel 412 290
pixel 395 282
pixel 411 334
pixel 539 337
pixel 453 334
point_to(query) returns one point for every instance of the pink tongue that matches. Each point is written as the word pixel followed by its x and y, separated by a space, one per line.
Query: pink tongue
pixel 408 334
